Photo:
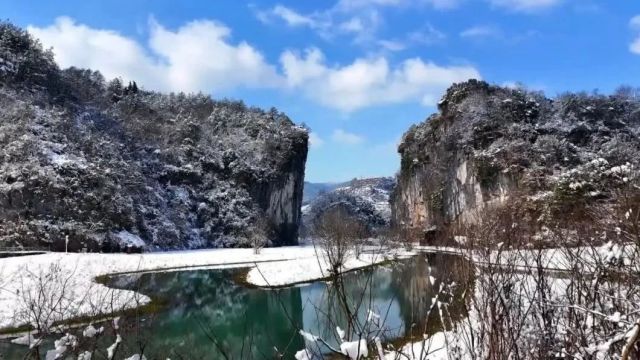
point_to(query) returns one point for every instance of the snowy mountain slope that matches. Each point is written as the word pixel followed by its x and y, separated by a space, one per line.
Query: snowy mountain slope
pixel 366 199
pixel 108 166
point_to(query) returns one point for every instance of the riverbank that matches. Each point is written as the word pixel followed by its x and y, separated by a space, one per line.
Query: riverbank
pixel 69 280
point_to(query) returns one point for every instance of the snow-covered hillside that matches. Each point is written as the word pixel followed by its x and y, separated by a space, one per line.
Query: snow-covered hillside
pixel 366 199
pixel 101 165
pixel 487 143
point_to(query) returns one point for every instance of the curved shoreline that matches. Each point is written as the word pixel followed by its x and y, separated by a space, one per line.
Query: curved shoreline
pixel 21 275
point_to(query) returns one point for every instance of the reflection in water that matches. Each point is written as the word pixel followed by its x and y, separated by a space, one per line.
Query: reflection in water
pixel 206 313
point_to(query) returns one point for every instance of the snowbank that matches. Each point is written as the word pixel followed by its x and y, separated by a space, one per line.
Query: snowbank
pixel 304 270
pixel 70 278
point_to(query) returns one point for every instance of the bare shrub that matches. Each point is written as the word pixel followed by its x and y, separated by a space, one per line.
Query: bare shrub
pixel 554 287
pixel 338 235
pixel 260 234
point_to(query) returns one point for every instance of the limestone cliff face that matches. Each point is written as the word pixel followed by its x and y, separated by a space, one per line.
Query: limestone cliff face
pixel 281 199
pixel 112 167
pixel 488 141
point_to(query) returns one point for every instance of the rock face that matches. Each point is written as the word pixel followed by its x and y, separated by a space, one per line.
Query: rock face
pixel 113 167
pixel 487 142
pixel 365 199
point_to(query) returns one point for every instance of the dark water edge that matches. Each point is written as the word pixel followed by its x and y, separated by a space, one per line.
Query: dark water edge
pixel 203 314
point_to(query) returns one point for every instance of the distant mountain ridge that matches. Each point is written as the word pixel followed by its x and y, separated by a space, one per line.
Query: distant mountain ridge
pixel 366 199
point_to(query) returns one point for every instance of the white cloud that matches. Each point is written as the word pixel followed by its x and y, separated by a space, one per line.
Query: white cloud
pixel 200 56
pixel 481 31
pixel 178 60
pixel 349 5
pixel 635 46
pixel 634 23
pixel 79 45
pixel 525 5
pixel 444 4
pixel 357 4
pixel 428 35
pixel 370 81
pixel 343 137
pixel 289 16
pixel 359 19
pixel 512 85
pixel 315 140
pixel 335 21
pixel 392 45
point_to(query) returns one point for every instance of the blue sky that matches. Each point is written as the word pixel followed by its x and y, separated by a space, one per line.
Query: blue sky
pixel 357 72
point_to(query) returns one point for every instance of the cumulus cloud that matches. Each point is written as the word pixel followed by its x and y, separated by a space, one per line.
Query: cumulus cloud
pixel 179 60
pixel 200 56
pixel 525 5
pixel 79 45
pixel 343 137
pixel 634 23
pixel 370 81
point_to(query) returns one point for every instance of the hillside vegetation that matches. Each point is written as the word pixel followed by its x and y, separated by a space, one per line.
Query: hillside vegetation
pixel 109 165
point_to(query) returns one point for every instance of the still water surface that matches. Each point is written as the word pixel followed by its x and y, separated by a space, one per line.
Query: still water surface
pixel 205 313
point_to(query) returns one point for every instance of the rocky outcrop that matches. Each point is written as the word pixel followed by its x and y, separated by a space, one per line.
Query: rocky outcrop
pixel 111 167
pixel 487 142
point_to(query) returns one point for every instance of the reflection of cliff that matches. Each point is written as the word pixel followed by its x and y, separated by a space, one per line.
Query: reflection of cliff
pixel 205 307
pixel 417 284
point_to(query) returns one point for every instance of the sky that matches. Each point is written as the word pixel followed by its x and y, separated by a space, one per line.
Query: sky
pixel 358 73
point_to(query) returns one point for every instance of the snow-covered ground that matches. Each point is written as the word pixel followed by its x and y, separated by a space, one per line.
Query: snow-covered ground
pixel 305 270
pixel 550 259
pixel 70 278
pixel 433 348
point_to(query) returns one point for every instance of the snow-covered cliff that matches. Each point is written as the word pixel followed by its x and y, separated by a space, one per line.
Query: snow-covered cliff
pixel 487 142
pixel 109 166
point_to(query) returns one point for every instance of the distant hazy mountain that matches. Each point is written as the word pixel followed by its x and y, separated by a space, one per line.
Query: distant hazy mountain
pixel 312 190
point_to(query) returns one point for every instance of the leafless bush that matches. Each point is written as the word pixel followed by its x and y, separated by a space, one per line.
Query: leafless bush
pixel 338 235
pixel 554 287
pixel 260 233
pixel 53 304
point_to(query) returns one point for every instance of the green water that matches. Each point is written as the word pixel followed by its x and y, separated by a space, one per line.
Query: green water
pixel 207 314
